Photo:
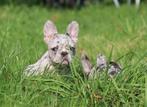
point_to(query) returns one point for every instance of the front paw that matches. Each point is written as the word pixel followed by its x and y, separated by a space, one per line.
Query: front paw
pixel 31 70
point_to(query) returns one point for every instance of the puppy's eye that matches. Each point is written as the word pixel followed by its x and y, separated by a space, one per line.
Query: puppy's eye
pixel 72 48
pixel 54 48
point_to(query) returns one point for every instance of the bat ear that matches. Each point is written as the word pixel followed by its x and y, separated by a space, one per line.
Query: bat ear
pixel 73 30
pixel 49 31
pixel 114 68
pixel 86 64
pixel 101 61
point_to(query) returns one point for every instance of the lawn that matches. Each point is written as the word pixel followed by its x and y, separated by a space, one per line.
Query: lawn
pixel 121 34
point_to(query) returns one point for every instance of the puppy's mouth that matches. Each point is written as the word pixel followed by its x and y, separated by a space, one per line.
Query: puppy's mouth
pixel 65 61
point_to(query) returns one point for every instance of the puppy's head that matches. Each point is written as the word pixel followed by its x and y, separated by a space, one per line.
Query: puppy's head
pixel 61 47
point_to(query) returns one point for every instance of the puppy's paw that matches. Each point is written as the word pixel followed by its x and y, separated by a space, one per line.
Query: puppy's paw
pixel 31 70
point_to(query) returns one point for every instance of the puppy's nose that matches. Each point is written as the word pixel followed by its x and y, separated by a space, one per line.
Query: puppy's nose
pixel 64 54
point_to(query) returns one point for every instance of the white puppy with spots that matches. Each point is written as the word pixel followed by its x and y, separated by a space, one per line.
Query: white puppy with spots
pixel 61 48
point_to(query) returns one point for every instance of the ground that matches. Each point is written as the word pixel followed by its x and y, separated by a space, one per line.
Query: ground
pixel 120 34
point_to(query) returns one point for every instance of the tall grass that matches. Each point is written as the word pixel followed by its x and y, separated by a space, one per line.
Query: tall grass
pixel 102 29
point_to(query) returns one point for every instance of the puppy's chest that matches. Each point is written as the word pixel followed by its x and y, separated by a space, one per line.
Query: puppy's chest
pixel 61 69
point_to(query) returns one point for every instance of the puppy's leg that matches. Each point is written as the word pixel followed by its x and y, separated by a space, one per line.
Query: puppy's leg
pixel 39 67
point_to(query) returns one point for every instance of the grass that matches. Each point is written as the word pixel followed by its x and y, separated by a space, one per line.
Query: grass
pixel 122 32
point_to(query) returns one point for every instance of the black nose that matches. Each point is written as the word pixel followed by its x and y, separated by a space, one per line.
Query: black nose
pixel 64 54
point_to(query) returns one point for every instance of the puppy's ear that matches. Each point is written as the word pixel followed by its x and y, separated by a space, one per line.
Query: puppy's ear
pixel 114 68
pixel 49 31
pixel 101 61
pixel 86 64
pixel 73 30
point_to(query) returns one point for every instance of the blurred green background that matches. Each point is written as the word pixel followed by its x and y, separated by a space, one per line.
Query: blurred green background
pixel 67 2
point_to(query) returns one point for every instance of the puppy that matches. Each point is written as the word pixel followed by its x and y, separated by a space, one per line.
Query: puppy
pixel 102 64
pixel 61 48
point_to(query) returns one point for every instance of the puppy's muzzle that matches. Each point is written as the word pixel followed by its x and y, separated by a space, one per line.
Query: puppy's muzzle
pixel 65 60
pixel 64 54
